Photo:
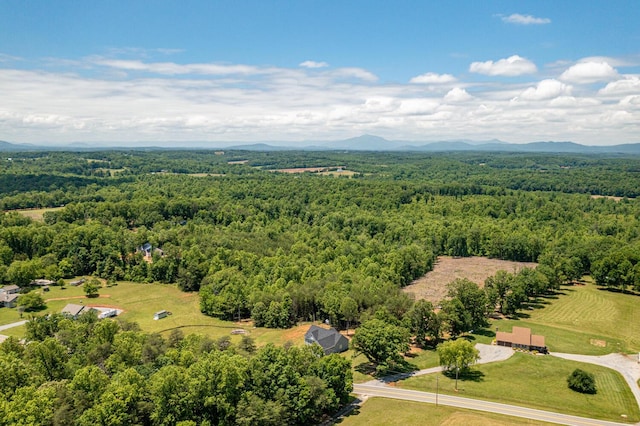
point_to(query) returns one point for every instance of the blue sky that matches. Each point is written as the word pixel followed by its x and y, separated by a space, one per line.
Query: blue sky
pixel 119 71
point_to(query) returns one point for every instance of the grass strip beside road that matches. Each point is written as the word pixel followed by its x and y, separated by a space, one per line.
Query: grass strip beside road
pixel 539 382
pixel 383 412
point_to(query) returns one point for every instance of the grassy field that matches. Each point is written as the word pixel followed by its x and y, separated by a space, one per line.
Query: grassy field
pixel 584 319
pixel 140 301
pixel 36 214
pixel 539 382
pixel 381 411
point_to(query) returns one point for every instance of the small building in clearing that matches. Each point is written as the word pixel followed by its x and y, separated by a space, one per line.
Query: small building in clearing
pixel 72 310
pixel 329 339
pixel 521 338
pixel 160 314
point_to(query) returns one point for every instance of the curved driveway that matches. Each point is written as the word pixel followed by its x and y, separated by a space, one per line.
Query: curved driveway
pixel 625 365
pixel 491 353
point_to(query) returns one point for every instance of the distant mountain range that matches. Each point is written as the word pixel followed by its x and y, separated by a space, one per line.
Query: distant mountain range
pixel 360 143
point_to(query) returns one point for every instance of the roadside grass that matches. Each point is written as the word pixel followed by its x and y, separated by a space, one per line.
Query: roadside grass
pixel 418 359
pixel 17 332
pixel 581 318
pixel 383 411
pixel 539 382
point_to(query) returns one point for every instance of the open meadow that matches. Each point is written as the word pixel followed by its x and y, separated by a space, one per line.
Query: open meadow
pixel 140 301
pixel 585 319
pixel 37 214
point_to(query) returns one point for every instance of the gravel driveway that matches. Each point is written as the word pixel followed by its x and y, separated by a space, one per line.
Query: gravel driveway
pixel 625 365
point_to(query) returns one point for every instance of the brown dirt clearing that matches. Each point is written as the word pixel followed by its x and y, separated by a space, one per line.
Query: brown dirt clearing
pixel 433 286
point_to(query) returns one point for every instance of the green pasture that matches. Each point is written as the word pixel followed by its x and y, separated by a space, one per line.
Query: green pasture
pixel 581 318
pixel 539 382
pixel 141 301
pixel 383 412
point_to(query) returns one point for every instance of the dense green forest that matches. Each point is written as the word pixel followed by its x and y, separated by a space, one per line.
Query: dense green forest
pixel 281 248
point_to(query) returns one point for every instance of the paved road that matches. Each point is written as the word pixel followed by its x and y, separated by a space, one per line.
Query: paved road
pixel 488 353
pixel 491 353
pixel 386 391
pixel 13 324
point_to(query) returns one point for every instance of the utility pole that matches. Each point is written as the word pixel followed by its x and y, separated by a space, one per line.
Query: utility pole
pixel 436 391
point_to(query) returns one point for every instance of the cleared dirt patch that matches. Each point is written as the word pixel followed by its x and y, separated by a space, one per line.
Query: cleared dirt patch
pixel 433 286
pixel 610 197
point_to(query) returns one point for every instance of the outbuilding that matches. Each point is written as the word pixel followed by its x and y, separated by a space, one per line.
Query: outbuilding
pixel 160 314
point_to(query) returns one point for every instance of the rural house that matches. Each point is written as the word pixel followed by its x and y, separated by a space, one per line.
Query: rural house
pixel 72 310
pixel 329 339
pixel 10 289
pixel 521 338
pixel 8 300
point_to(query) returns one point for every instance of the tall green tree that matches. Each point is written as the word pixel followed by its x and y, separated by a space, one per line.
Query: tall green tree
pixel 381 342
pixel 457 355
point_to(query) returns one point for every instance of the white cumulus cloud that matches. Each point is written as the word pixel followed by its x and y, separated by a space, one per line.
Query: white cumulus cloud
pixel 457 95
pixel 433 78
pixel 626 86
pixel 313 64
pixel 510 67
pixel 589 72
pixel 546 89
pixel 519 19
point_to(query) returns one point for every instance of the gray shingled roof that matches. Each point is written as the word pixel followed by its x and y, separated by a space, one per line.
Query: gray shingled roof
pixel 325 338
pixel 72 309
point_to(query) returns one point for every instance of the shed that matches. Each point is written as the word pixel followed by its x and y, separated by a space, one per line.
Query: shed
pixel 329 339
pixel 42 282
pixel 160 314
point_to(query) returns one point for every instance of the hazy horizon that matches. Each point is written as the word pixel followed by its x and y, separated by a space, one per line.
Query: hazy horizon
pixel 294 71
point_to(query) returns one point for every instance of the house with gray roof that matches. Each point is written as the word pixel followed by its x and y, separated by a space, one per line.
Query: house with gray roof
pixel 329 339
pixel 72 310
pixel 8 300
pixel 10 289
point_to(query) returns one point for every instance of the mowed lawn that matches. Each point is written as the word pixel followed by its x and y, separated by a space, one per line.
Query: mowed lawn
pixel 585 319
pixel 539 382
pixel 140 301
pixel 382 412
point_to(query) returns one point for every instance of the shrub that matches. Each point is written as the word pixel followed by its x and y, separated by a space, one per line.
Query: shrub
pixel 581 381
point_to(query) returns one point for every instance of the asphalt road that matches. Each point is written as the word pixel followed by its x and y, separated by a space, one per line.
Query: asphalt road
pixel 386 391
pixel 13 324
pixel 489 353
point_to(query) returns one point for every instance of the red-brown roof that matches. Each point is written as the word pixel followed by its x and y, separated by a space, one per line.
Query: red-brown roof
pixel 521 336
